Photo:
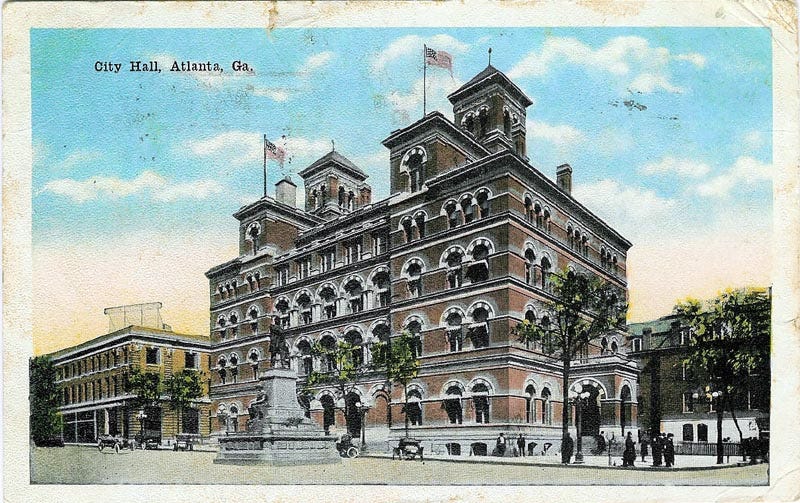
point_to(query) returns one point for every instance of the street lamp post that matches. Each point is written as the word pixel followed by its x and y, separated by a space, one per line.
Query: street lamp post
pixel 362 410
pixel 715 399
pixel 141 416
pixel 578 398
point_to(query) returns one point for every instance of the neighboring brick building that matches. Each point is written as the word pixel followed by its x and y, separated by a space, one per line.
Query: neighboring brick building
pixel 92 379
pixel 459 254
pixel 667 388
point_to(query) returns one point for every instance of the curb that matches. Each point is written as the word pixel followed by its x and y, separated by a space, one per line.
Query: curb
pixel 572 466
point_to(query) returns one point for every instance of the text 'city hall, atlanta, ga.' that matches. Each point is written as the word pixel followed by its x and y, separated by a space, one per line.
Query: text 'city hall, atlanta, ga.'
pixel 460 253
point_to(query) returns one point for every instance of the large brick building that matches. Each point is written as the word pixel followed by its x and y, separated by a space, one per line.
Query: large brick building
pixel 459 254
pixel 92 378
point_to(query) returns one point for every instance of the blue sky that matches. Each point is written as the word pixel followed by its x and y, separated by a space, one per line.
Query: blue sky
pixel 136 175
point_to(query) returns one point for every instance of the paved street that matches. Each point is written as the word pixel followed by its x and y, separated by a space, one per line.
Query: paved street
pixel 85 465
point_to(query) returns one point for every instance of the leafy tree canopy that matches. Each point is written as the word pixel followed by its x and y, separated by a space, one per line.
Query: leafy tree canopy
pixel 145 386
pixel 45 398
pixel 183 387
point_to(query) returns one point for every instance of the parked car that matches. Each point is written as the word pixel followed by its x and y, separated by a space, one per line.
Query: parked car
pixel 183 442
pixel 147 441
pixel 114 442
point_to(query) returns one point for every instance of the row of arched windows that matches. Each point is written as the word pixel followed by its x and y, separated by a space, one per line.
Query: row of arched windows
pixel 229 325
pixel 319 195
pixel 230 288
pixel 537 215
pixel 467 208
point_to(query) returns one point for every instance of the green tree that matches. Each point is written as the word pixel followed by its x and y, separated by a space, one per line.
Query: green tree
pixel 396 359
pixel 146 387
pixel 45 398
pixel 729 344
pixel 182 389
pixel 583 308
pixel 346 371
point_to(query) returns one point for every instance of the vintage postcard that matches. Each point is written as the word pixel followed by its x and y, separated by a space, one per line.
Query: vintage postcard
pixel 401 251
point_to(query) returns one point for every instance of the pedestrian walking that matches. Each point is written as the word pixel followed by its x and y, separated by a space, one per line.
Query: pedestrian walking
pixel 566 449
pixel 521 445
pixel 629 454
pixel 657 449
pixel 669 451
pixel 644 442
pixel 501 445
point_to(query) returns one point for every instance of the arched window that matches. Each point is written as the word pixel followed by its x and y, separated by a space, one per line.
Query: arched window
pixel 537 213
pixel 702 432
pixel 222 323
pixel 234 364
pixel 253 358
pixel 479 266
pixel 304 305
pixel 453 217
pixel 282 307
pixel 355 300
pixel 483 203
pixel 223 373
pixel 455 331
pixel 407 224
pixel 507 123
pixel 342 194
pixel 570 238
pixel 468 209
pixel 234 321
pixel 382 288
pixel 252 234
pixel 328 412
pixel 585 245
pixel 328 298
pixel 614 268
pixel 603 261
pixel 546 218
pixel 547 407
pixel 547 342
pixel 415 279
pixel 529 209
pixel 414 407
pixel 603 345
pixel 614 347
pixel 314 199
pixel 454 269
pixel 469 123
pixel 452 405
pixel 545 263
pixel 479 329
pixel 530 316
pixel 483 118
pixel 530 404
pixel 414 327
pixel 419 220
pixel 414 164
pixel 480 400
pixel 354 338
pixel 306 364
pixel 328 345
pixel 253 315
pixel 530 262
pixel 351 201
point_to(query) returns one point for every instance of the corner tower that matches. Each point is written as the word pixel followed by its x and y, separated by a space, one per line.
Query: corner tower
pixel 335 186
pixel 492 109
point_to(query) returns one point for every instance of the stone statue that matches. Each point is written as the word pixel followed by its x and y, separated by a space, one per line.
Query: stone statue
pixel 278 348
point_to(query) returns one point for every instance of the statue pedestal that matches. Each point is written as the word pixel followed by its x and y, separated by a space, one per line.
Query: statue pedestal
pixel 278 433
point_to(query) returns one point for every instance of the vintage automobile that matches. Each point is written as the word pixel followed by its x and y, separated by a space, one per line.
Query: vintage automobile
pixel 346 448
pixel 114 442
pixel 408 448
pixel 147 441
pixel 183 442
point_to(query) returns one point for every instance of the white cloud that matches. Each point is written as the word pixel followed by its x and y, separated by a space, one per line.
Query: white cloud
pixel 407 106
pixel 633 210
pixel 111 187
pixel 684 168
pixel 315 61
pixel 76 158
pixel 558 134
pixel 273 93
pixel 753 140
pixel 649 82
pixel 746 171
pixel 621 56
pixel 413 44
pixel 240 148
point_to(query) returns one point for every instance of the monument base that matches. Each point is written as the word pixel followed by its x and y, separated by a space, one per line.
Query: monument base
pixel 278 433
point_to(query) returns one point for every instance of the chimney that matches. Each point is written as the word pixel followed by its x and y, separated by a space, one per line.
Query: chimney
pixel 286 191
pixel 564 177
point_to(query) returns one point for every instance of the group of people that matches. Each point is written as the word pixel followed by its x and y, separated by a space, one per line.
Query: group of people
pixel 663 448
pixel 518 450
pixel 662 445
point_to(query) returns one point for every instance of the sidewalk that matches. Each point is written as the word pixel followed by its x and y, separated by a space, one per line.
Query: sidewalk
pixel 682 462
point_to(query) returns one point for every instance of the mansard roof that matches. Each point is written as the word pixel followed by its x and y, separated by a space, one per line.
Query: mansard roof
pixel 337 159
pixel 490 75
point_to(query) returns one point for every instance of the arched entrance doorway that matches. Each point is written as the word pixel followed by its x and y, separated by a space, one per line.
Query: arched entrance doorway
pixel 590 411
pixel 353 415
pixel 625 413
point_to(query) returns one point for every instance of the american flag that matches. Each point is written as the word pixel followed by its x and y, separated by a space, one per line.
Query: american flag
pixel 272 151
pixel 441 59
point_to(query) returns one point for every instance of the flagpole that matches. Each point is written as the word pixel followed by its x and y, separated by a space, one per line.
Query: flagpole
pixel 265 165
pixel 424 83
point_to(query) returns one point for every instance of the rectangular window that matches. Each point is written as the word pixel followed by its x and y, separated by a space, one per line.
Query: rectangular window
pixel 352 252
pixel 304 267
pixel 328 259
pixel 191 360
pixel 283 275
pixel 637 344
pixel 152 356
